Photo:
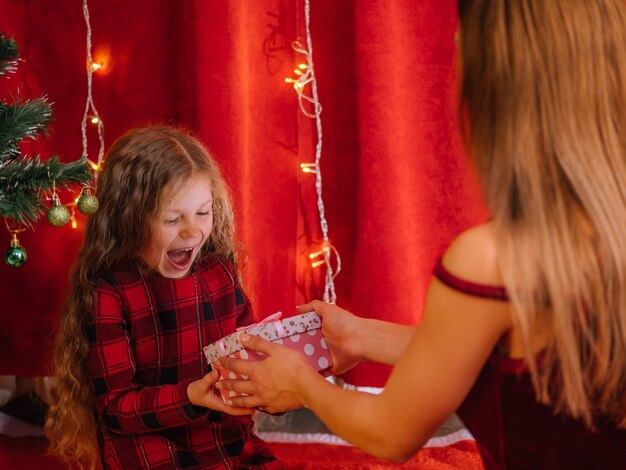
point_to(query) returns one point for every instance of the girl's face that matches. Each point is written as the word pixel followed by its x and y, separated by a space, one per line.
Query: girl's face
pixel 182 226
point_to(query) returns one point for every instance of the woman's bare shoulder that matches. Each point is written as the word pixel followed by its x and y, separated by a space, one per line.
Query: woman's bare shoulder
pixel 473 256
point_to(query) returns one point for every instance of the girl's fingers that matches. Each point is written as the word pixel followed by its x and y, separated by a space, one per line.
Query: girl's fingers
pixel 210 378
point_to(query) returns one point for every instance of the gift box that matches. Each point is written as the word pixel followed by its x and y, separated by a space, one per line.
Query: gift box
pixel 301 332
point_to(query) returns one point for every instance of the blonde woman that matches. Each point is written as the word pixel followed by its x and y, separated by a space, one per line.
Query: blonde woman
pixel 524 328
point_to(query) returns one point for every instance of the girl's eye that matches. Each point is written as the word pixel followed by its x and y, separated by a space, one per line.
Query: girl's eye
pixel 171 221
pixel 204 213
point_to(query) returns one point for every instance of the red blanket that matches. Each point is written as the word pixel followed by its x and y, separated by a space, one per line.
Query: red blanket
pixel 461 455
pixel 28 453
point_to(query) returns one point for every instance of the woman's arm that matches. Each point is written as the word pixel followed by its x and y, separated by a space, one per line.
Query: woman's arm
pixel 441 364
pixel 429 382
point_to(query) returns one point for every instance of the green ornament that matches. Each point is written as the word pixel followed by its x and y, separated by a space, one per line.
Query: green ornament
pixel 58 215
pixel 87 203
pixel 15 256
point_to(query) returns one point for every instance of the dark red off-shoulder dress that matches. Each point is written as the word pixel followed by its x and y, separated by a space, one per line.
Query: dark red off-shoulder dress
pixel 512 430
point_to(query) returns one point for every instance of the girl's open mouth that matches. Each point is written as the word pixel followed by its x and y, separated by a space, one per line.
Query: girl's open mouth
pixel 180 258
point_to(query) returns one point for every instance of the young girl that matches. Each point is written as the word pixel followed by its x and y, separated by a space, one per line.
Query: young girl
pixel 154 283
pixel 524 329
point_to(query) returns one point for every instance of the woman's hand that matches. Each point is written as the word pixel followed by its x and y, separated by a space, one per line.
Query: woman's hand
pixel 274 384
pixel 203 393
pixel 341 331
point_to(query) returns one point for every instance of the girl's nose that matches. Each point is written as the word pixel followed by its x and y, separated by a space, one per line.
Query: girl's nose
pixel 191 230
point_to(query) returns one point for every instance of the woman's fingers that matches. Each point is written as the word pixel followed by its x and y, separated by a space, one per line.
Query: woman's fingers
pixel 238 386
pixel 306 308
pixel 239 366
pixel 247 401
pixel 256 343
pixel 243 366
pixel 316 306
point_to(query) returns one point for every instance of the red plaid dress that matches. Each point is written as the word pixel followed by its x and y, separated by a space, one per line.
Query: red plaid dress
pixel 146 337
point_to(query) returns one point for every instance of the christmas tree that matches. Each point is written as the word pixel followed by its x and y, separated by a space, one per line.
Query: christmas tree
pixel 26 182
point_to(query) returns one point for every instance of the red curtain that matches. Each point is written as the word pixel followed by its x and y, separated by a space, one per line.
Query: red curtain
pixel 396 184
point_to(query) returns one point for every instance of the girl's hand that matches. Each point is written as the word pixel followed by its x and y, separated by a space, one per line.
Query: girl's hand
pixel 341 330
pixel 274 384
pixel 203 393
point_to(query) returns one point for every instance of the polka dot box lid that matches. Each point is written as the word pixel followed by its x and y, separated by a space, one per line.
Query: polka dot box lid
pixel 271 328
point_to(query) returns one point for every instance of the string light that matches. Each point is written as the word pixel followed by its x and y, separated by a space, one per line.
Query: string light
pixel 91 112
pixel 308 167
pixel 305 74
pixel 315 255
pixel 72 209
pixel 94 166
pixel 325 252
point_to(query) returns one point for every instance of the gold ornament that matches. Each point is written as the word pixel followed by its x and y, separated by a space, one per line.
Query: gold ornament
pixel 58 215
pixel 87 203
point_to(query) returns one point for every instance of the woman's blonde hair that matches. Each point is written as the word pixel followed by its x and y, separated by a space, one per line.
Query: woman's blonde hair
pixel 544 104
pixel 137 168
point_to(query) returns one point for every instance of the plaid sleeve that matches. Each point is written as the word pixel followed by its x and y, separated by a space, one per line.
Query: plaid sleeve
pixel 124 406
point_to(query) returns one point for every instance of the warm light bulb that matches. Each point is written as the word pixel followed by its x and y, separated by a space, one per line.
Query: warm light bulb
pixel 95 66
pixel 308 167
pixel 303 66
pixel 289 80
pixel 317 264
pixel 74 223
pixel 324 250
pixel 95 119
pixel 297 72
pixel 94 166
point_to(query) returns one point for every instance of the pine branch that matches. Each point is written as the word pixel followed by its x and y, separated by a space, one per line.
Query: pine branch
pixel 25 182
pixel 21 120
pixel 23 206
pixel 9 54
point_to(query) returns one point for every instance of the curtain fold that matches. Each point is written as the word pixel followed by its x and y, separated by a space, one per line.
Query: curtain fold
pixel 396 184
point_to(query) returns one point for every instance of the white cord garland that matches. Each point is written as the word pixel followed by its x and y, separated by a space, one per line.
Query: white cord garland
pixel 89 104
pixel 308 78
